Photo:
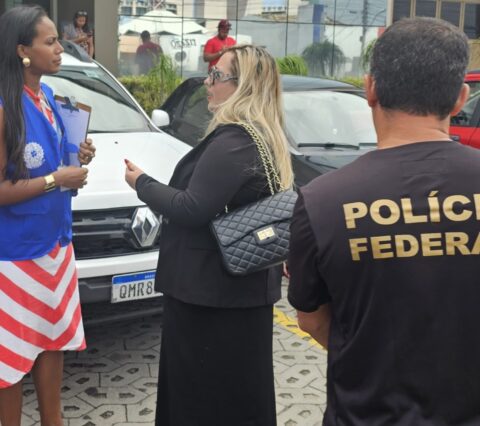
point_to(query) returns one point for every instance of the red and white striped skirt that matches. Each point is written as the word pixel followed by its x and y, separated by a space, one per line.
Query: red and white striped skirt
pixel 39 311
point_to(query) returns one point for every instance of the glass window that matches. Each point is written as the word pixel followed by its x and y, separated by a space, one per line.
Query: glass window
pixel 401 9
pixel 319 117
pixel 191 123
pixel 196 109
pixel 472 20
pixel 464 117
pixel 272 35
pixel 426 8
pixel 112 108
pixel 327 57
pixel 349 13
pixel 171 7
pixel 377 15
pixel 474 87
pixel 12 3
pixel 451 12
pixel 284 27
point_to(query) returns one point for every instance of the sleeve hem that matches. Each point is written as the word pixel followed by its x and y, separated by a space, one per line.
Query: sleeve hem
pixel 303 308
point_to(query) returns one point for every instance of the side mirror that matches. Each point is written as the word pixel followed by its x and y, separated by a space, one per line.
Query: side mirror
pixel 160 118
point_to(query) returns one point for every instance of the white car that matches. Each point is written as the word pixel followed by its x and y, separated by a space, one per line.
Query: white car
pixel 114 234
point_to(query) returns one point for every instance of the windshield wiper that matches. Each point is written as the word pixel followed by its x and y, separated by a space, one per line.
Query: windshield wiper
pixel 326 145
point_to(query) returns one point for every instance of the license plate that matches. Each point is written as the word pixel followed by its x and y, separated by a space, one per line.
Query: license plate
pixel 133 287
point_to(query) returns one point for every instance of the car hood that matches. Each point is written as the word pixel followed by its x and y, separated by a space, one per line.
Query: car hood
pixel 156 153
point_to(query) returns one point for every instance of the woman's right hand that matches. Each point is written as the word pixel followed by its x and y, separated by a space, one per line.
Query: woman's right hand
pixel 71 177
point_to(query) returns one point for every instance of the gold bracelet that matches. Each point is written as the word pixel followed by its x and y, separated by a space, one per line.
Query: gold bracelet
pixel 50 184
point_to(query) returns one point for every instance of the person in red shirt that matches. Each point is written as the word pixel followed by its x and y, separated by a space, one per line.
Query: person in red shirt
pixel 147 53
pixel 217 45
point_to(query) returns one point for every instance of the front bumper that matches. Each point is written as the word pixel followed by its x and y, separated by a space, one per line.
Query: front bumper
pixel 95 275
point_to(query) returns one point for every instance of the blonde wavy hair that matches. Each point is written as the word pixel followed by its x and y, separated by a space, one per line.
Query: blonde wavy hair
pixel 257 101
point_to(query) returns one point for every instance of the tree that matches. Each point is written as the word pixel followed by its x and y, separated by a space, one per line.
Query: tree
pixel 367 54
pixel 323 58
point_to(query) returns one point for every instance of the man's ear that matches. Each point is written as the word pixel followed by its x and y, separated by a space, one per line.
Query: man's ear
pixel 462 98
pixel 370 91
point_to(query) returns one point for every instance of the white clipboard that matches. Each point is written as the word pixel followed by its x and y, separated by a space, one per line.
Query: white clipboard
pixel 75 117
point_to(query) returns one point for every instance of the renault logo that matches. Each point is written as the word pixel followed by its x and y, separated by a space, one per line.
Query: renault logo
pixel 145 227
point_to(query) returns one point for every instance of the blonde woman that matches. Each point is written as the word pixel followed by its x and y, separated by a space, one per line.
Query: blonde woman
pixel 216 364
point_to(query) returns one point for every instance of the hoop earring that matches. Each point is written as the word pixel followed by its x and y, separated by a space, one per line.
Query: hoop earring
pixel 26 62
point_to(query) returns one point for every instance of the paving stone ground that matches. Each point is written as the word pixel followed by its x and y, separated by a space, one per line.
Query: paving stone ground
pixel 113 382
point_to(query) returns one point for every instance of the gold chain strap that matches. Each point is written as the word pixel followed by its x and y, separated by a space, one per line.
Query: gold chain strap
pixel 266 157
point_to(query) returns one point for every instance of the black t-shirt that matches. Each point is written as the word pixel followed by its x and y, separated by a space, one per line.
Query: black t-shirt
pixel 392 241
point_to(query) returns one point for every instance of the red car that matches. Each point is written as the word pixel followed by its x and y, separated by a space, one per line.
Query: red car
pixel 465 126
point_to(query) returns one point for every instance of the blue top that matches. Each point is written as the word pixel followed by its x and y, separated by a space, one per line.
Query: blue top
pixel 31 229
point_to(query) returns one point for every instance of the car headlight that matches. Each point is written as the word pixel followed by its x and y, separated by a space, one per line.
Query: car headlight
pixel 145 227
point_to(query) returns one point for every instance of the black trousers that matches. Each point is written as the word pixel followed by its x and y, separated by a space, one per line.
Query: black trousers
pixel 216 366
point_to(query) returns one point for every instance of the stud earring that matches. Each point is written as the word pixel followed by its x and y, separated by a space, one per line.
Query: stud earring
pixel 26 62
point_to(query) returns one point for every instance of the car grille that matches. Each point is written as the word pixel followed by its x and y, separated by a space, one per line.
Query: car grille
pixel 105 233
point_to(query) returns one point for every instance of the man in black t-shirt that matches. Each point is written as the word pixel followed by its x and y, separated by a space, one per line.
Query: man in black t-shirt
pixel 385 252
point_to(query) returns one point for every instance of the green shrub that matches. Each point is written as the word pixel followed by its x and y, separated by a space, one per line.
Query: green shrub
pixel 356 81
pixel 153 89
pixel 292 64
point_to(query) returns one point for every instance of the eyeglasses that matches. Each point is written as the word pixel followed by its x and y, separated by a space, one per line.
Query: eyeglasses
pixel 215 74
pixel 82 13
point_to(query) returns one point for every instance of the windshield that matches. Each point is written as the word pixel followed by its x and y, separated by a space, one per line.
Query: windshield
pixel 324 117
pixel 112 110
pixel 474 87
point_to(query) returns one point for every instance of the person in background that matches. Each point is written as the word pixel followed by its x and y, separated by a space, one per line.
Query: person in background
pixel 216 46
pixel 384 252
pixel 147 54
pixel 40 315
pixel 216 364
pixel 79 32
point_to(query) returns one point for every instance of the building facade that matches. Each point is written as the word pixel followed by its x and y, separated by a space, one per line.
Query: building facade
pixel 333 31
pixel 463 13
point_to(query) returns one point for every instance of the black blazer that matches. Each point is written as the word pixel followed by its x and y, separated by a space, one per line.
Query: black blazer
pixel 223 169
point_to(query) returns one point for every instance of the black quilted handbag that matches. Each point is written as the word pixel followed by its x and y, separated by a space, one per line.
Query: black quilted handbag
pixel 256 236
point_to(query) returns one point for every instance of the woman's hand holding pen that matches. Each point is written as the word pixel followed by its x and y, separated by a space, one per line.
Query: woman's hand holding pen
pixel 132 173
pixel 86 152
pixel 71 177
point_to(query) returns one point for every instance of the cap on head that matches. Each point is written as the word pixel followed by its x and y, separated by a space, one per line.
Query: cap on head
pixel 224 24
